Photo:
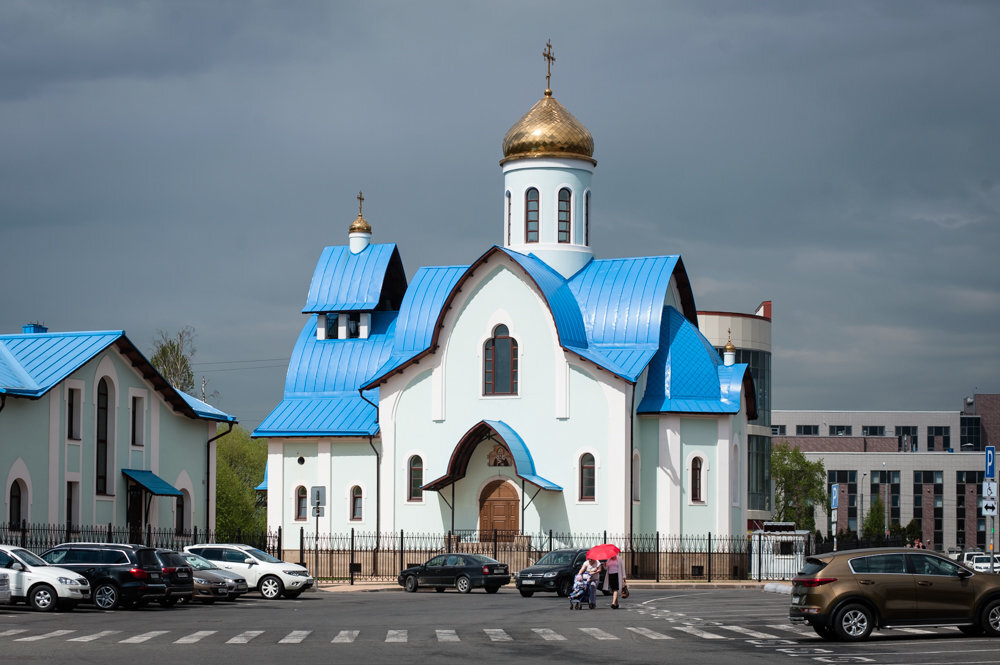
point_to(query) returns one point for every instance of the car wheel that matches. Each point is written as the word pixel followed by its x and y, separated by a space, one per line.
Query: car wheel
pixel 491 588
pixel 463 584
pixel 292 595
pixel 824 632
pixel 271 588
pixel 854 622
pixel 990 619
pixel 43 598
pixel 411 583
pixel 971 630
pixel 527 593
pixel 439 589
pixel 106 596
pixel 565 587
pixel 167 602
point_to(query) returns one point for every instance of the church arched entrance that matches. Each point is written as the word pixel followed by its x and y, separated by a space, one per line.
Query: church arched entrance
pixel 498 508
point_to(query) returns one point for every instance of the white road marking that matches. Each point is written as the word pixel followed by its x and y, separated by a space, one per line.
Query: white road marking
pixel 45 636
pixel 95 636
pixel 798 630
pixel 598 634
pixel 697 632
pixel 245 637
pixel 396 635
pixel 447 636
pixel 13 631
pixel 750 633
pixel 345 637
pixel 498 635
pixel 294 637
pixel 915 631
pixel 144 637
pixel 547 634
pixel 651 634
pixel 195 637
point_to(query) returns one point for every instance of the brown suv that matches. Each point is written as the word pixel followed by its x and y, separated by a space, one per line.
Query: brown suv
pixel 845 595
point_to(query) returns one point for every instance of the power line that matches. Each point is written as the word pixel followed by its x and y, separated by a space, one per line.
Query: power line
pixel 233 362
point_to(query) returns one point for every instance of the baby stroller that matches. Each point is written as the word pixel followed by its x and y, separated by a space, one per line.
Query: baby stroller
pixel 584 590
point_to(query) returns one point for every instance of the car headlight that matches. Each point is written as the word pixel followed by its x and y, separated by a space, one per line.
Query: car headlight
pixel 200 580
pixel 552 574
pixel 296 573
pixel 67 581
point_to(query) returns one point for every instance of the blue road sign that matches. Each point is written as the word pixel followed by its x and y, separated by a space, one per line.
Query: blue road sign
pixel 834 495
pixel 991 461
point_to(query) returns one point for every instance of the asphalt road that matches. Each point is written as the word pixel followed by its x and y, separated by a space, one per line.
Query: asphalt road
pixel 654 626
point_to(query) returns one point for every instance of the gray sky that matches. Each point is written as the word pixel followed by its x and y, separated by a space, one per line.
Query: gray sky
pixel 170 164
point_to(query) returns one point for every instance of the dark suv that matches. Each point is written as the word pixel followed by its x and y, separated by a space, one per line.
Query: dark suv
pixel 119 575
pixel 553 572
pixel 845 595
pixel 177 576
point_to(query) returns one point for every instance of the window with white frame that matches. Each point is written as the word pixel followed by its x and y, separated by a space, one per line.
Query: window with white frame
pixel 138 420
pixel 74 402
pixel 357 499
pixel 415 479
pixel 588 478
pixel 301 503
pixel 696 480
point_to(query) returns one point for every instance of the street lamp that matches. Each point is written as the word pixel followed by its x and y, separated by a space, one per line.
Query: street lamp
pixel 885 507
pixel 861 506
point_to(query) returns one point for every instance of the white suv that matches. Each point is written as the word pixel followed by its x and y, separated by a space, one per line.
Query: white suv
pixel 272 577
pixel 42 586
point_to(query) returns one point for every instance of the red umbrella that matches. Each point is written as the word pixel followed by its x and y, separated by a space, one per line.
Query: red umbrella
pixel 605 551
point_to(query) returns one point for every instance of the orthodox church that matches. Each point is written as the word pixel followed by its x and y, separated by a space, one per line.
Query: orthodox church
pixel 537 388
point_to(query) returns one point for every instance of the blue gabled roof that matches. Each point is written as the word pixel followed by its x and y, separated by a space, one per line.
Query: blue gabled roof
pixel 686 374
pixel 344 281
pixel 31 364
pixel 338 414
pixel 524 466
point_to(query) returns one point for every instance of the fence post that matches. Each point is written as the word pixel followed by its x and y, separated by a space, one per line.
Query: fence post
pixel 605 536
pixel 494 543
pixel 24 534
pixel 69 535
pixel 709 556
pixel 760 556
pixel 302 544
pixel 350 565
pixel 401 546
pixel 281 545
pixel 110 539
pixel 657 556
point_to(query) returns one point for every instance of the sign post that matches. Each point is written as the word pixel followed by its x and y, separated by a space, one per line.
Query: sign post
pixel 834 501
pixel 991 503
pixel 318 494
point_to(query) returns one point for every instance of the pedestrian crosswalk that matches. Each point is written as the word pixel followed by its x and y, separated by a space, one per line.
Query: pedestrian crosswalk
pixel 659 631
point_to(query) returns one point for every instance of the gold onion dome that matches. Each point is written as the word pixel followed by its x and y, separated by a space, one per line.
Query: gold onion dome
pixel 360 224
pixel 548 130
pixel 729 347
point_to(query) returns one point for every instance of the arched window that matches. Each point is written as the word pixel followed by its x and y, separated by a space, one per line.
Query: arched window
pixel 356 503
pixel 180 521
pixel 301 503
pixel 636 475
pixel 531 215
pixel 588 488
pixel 564 210
pixel 696 479
pixel 586 219
pixel 416 479
pixel 101 472
pixel 508 218
pixel 500 363
pixel 14 505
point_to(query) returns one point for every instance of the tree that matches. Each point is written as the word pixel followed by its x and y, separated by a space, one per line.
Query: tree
pixel 172 358
pixel 240 464
pixel 874 524
pixel 799 485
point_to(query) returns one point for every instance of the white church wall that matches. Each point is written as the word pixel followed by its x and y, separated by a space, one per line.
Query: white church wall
pixel 699 439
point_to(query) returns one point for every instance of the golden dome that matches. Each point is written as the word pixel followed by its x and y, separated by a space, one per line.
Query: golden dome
pixel 729 347
pixel 548 130
pixel 360 225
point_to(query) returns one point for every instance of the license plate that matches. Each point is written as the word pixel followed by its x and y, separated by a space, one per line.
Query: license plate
pixel 500 569
pixel 182 575
pixel 523 582
pixel 154 576
pixel 797 600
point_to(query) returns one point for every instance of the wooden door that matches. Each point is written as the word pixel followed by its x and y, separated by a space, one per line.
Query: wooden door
pixel 498 508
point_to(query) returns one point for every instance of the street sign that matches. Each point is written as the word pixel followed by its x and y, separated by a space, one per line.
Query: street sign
pixel 991 461
pixel 317 511
pixel 989 490
pixel 834 496
pixel 989 508
pixel 318 494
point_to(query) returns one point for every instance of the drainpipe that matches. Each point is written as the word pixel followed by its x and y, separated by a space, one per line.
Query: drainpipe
pixel 208 473
pixel 378 475
pixel 631 466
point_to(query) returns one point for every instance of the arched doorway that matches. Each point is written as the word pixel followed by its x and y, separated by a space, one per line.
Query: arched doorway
pixel 498 508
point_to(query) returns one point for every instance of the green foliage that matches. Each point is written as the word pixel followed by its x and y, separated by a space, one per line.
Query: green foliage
pixel 172 358
pixel 913 531
pixel 240 464
pixel 799 485
pixel 874 524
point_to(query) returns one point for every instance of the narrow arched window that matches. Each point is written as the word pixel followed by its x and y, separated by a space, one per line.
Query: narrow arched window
pixel 416 479
pixel 531 215
pixel 564 210
pixel 14 504
pixel 301 503
pixel 500 363
pixel 508 217
pixel 696 480
pixel 588 481
pixel 356 503
pixel 101 469
pixel 586 219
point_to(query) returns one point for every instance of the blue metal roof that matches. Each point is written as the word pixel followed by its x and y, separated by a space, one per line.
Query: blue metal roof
pixel 686 374
pixel 263 486
pixel 152 482
pixel 206 411
pixel 342 414
pixel 524 466
pixel 344 281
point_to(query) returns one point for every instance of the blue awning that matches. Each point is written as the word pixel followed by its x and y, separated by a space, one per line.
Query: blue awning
pixel 151 482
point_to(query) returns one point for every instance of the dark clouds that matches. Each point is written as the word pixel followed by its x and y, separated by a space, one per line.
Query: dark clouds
pixel 167 164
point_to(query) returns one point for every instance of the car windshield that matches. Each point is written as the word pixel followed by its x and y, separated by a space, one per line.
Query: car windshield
pixel 556 559
pixel 198 563
pixel 261 556
pixel 29 558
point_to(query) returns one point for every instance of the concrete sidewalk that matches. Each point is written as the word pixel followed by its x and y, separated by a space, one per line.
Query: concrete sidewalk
pixel 776 587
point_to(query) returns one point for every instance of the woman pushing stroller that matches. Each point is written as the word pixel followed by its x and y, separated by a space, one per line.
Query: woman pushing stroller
pixel 585 584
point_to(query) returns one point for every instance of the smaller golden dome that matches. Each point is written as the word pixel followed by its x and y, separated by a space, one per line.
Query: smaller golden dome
pixel 360 224
pixel 548 130
pixel 729 347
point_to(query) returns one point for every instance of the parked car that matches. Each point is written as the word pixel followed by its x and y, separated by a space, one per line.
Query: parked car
pixel 176 576
pixel 206 574
pixel 845 595
pixel 119 575
pixel 553 572
pixel 461 571
pixel 981 563
pixel 4 588
pixel 969 555
pixel 40 585
pixel 269 575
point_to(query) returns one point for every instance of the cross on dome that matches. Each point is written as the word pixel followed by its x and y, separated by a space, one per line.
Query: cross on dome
pixel 549 59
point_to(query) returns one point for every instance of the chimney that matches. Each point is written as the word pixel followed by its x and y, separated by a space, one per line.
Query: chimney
pixel 33 329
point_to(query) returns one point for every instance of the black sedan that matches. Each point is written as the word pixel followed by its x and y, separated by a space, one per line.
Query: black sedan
pixel 462 571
